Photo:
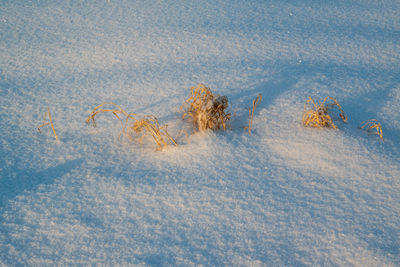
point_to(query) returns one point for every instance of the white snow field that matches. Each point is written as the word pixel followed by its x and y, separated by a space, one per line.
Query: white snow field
pixel 284 196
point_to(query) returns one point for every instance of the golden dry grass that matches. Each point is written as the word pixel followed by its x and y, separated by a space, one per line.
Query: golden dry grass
pixel 117 112
pixel 135 128
pixel 371 125
pixel 48 114
pixel 318 116
pixel 149 125
pixel 206 110
pixel 256 101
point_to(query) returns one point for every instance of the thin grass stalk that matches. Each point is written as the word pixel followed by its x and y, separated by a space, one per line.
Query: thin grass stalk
pixel 47 123
pixel 256 102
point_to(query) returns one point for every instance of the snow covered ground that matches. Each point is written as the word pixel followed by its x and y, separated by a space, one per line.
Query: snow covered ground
pixel 284 196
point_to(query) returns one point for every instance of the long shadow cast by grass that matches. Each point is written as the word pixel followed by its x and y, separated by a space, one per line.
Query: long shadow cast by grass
pixel 271 89
pixel 15 183
pixel 381 238
pixel 360 107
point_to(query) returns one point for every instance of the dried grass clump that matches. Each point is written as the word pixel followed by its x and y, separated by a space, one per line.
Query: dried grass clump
pixel 370 125
pixel 256 101
pixel 206 110
pixel 149 126
pixel 135 128
pixel 48 114
pixel 318 115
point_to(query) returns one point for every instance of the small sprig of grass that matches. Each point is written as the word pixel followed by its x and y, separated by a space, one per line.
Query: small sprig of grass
pixel 135 128
pixel 117 112
pixel 318 116
pixel 206 110
pixel 256 101
pixel 48 114
pixel 371 125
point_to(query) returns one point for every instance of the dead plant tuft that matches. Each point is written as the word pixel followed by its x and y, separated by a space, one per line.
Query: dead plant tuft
pixel 134 128
pixel 370 125
pixel 149 125
pixel 318 115
pixel 206 110
pixel 256 101
pixel 48 114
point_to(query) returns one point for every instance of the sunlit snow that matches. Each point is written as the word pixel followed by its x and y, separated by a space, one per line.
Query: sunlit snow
pixel 285 195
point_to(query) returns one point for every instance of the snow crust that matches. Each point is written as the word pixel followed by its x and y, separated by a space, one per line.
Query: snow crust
pixel 284 196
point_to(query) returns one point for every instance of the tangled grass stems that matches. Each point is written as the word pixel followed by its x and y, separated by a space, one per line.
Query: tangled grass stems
pixel 370 125
pixel 149 125
pixel 135 128
pixel 256 101
pixel 99 109
pixel 318 115
pixel 48 114
pixel 206 110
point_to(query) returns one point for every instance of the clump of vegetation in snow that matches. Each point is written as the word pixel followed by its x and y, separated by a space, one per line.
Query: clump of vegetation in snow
pixel 318 115
pixel 370 125
pixel 135 128
pixel 206 110
pixel 148 126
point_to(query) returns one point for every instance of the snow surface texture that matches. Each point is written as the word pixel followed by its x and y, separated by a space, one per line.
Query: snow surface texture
pixel 286 195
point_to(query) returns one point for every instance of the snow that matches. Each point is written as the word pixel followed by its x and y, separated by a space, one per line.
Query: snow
pixel 284 196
